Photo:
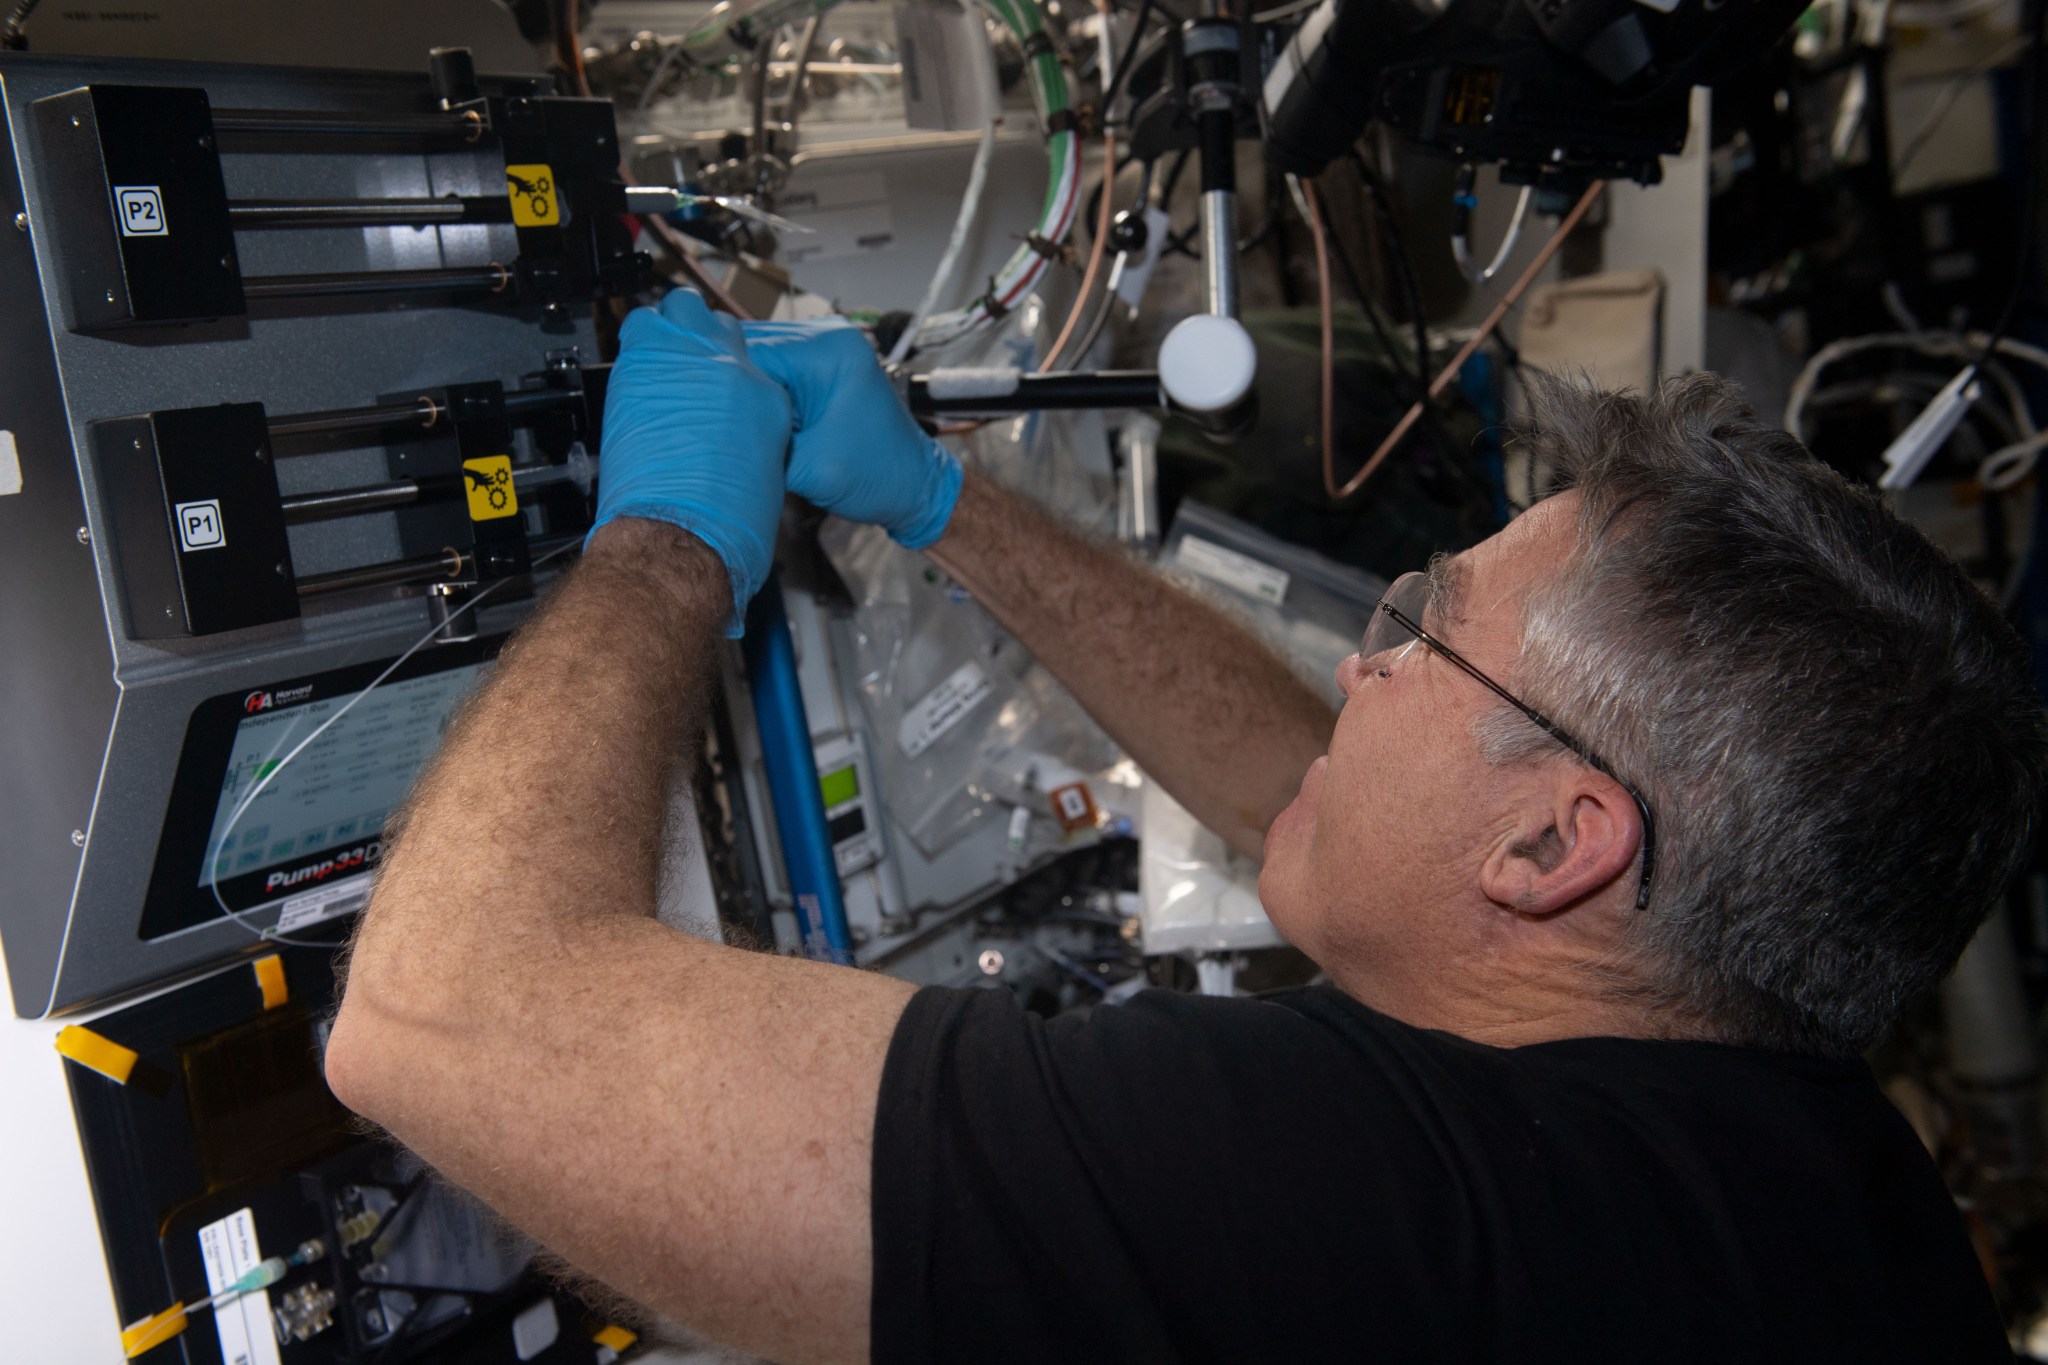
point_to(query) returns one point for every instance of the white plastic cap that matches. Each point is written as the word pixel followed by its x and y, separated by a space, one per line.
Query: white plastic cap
pixel 1207 362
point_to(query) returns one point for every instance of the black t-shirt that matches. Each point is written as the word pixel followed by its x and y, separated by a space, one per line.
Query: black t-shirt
pixel 1298 1178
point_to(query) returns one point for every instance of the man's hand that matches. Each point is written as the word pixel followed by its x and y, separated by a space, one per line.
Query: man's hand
pixel 1197 700
pixel 857 452
pixel 695 435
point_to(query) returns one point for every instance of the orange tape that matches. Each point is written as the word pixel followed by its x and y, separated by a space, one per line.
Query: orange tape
pixel 94 1053
pixel 270 977
pixel 137 1338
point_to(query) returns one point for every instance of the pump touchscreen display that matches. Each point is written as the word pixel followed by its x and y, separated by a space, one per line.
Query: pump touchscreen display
pixel 334 796
pixel 262 825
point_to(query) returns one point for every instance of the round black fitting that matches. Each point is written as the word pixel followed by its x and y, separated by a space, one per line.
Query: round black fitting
pixel 1128 233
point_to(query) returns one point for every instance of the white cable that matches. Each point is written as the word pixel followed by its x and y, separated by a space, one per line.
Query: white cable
pixel 1461 245
pixel 270 934
pixel 1019 275
pixel 1286 11
pixel 653 85
pixel 1944 344
pixel 2008 465
pixel 963 223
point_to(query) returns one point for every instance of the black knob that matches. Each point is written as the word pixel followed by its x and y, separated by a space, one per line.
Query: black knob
pixel 1128 233
pixel 453 71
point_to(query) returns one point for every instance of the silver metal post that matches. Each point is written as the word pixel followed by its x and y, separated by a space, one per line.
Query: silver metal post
pixel 1219 252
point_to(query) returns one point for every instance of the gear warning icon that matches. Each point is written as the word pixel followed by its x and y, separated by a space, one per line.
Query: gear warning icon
pixel 490 488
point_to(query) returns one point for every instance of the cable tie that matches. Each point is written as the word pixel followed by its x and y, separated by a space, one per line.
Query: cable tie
pixel 995 307
pixel 1045 246
pixel 1064 121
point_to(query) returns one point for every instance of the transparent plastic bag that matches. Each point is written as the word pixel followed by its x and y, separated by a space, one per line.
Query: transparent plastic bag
pixel 958 708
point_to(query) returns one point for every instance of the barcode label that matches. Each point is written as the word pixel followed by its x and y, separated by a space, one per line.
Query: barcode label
pixel 942 708
pixel 1220 564
pixel 243 1323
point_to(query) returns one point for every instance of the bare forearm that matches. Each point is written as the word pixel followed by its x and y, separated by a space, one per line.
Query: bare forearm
pixel 515 1016
pixel 1194 697
pixel 514 837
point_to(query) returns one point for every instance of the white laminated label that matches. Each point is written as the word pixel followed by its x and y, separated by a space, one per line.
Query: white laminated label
pixel 243 1322
pixel 1220 564
pixel 329 902
pixel 142 211
pixel 942 708
pixel 848 215
pixel 10 465
pixel 200 526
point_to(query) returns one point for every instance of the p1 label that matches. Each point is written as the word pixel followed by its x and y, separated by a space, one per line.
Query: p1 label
pixel 200 526
pixel 534 202
pixel 491 494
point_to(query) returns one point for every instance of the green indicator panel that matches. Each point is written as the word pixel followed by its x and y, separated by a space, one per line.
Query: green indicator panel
pixel 839 786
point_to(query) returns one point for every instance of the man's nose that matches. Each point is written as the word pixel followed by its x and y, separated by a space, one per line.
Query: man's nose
pixel 1350 673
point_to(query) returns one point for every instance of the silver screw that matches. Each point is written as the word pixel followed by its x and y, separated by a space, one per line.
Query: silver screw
pixel 84 536
pixel 78 838
pixel 110 296
pixel 21 222
pixel 990 961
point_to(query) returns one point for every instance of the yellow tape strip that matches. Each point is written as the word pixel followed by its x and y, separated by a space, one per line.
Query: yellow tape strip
pixel 140 1337
pixel 270 976
pixel 616 1337
pixel 95 1053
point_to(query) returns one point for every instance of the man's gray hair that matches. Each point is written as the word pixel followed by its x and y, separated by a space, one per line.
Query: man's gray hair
pixel 1837 732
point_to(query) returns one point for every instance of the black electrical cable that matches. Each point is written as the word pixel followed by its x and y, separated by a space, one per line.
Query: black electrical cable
pixel 1180 163
pixel 11 36
pixel 1128 61
pixel 1404 262
pixel 1109 296
pixel 1372 311
pixel 2030 203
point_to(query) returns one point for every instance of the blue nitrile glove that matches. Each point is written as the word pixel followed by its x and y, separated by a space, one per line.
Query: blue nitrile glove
pixel 857 452
pixel 695 435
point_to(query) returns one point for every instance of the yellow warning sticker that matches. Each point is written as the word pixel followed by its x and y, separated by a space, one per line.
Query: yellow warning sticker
pixel 534 203
pixel 491 494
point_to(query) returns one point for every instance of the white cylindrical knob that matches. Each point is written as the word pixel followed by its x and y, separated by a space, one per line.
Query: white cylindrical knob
pixel 1207 362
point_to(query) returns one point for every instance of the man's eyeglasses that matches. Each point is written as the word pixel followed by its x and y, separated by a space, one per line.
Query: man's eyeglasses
pixel 1396 625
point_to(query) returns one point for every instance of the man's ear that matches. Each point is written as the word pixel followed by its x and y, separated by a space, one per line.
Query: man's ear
pixel 1570 839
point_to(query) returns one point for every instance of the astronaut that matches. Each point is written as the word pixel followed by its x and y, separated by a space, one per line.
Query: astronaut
pixel 1639 821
